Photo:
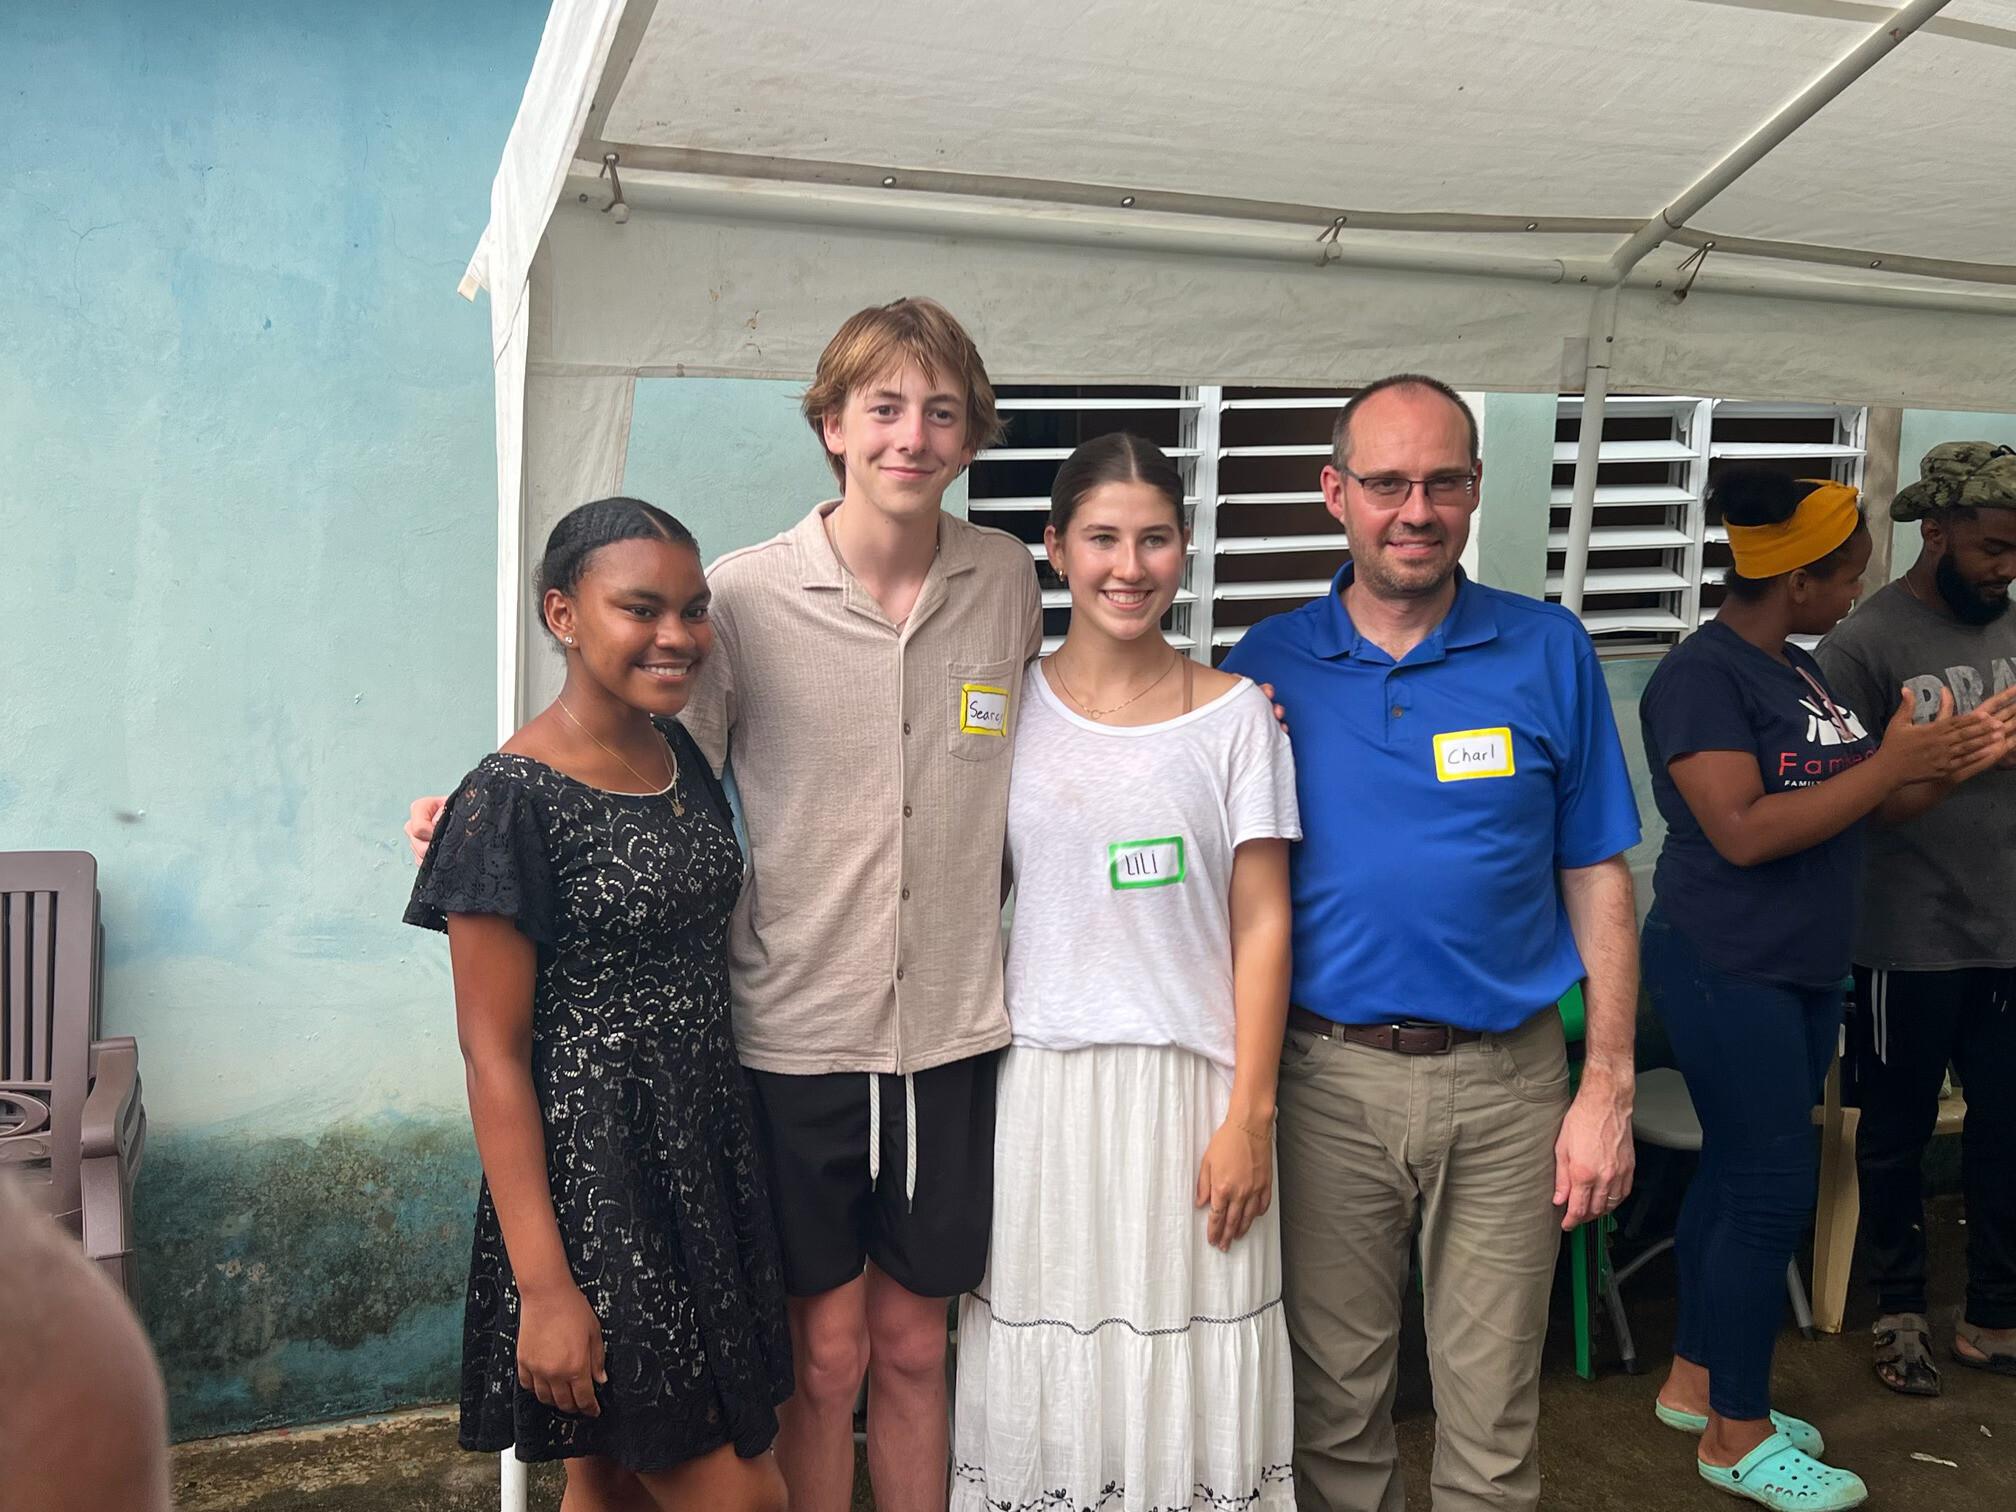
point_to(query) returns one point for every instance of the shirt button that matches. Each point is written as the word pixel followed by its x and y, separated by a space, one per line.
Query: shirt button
pixel 1398 711
pixel 906 895
pixel 899 973
pixel 906 811
pixel 906 727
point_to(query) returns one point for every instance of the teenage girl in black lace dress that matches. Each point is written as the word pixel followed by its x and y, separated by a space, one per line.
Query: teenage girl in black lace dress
pixel 626 1306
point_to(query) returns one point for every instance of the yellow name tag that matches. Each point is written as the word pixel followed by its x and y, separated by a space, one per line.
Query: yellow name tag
pixel 1462 754
pixel 983 710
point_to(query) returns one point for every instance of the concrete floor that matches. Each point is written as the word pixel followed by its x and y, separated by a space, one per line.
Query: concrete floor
pixel 1600 1447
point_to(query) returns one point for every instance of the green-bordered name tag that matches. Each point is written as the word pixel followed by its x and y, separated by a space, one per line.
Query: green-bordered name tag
pixel 1145 863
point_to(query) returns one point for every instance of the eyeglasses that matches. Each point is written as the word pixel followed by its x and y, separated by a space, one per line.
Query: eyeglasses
pixel 1442 488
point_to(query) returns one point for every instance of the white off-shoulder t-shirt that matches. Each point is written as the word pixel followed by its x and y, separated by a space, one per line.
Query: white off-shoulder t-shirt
pixel 1120 840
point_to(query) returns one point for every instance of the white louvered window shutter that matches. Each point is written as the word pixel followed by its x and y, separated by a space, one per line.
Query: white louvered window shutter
pixel 1009 485
pixel 1655 563
pixel 1261 541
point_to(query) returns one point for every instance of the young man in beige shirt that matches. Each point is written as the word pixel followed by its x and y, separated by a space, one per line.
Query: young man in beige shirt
pixel 864 685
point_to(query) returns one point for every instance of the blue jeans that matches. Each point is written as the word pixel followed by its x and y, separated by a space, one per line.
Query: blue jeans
pixel 1755 1056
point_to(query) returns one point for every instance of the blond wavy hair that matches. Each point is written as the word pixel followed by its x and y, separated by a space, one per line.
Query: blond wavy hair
pixel 883 338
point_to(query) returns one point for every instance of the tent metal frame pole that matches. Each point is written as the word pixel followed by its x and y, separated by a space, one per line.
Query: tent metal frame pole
pixel 1588 448
pixel 1795 113
pixel 917 213
pixel 1145 207
pixel 1752 150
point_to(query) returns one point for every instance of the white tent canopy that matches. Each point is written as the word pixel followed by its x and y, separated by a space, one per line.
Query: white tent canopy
pixel 1511 194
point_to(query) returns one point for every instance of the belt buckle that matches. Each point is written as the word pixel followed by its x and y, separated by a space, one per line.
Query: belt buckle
pixel 1440 1039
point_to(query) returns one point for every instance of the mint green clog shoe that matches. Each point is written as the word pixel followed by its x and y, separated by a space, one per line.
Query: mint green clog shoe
pixel 1804 1436
pixel 1778 1476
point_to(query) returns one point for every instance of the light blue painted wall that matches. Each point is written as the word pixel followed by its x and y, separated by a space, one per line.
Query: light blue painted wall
pixel 1518 441
pixel 247 494
pixel 730 457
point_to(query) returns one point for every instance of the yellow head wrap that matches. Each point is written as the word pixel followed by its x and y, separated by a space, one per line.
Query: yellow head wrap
pixel 1824 519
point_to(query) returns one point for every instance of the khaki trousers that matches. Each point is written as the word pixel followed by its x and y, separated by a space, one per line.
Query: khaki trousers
pixel 1371 1142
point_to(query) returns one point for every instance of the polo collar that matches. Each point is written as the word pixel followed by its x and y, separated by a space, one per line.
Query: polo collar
pixel 1469 622
pixel 819 565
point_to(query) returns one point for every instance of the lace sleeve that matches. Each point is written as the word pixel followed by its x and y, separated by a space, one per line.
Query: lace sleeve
pixel 488 857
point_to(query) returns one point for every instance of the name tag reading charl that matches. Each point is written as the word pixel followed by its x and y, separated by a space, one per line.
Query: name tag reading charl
pixel 982 710
pixel 1463 754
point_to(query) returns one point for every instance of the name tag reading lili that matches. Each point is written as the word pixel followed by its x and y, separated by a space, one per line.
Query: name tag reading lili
pixel 1463 754
pixel 983 710
pixel 1145 863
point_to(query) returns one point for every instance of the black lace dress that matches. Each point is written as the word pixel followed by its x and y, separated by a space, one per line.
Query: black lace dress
pixel 650 1149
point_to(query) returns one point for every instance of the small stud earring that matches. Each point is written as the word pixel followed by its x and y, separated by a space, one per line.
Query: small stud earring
pixel 569 639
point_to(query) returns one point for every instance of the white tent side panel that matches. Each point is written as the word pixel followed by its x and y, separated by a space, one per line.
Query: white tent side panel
pixel 1750 347
pixel 671 294
pixel 678 295
pixel 577 438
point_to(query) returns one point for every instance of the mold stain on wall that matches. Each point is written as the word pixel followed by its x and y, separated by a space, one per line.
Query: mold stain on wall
pixel 300 1279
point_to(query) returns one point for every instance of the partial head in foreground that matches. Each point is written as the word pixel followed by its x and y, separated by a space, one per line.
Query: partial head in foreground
pixel 901 401
pixel 1965 503
pixel 84 1424
pixel 622 591
pixel 1800 538
pixel 1403 481
pixel 1116 533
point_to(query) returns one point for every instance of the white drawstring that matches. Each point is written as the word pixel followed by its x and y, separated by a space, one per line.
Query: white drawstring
pixel 874 1129
pixel 909 1135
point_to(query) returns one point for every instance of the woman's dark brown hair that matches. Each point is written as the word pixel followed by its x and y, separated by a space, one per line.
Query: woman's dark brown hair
pixel 1117 457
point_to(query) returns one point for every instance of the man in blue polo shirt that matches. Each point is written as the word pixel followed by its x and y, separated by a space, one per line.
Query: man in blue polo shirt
pixel 1465 809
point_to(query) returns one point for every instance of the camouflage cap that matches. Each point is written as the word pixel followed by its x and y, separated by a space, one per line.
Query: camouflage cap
pixel 1962 475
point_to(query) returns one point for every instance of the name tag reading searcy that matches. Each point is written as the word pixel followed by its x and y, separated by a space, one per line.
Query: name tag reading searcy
pixel 983 710
pixel 1145 863
pixel 1463 754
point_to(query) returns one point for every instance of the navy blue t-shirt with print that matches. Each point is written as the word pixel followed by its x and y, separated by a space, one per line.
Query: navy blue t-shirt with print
pixel 1791 920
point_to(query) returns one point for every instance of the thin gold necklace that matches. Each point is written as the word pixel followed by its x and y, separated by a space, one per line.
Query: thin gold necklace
pixel 671 762
pixel 1175 656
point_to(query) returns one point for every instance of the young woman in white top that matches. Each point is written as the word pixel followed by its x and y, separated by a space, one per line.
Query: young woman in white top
pixel 1126 1348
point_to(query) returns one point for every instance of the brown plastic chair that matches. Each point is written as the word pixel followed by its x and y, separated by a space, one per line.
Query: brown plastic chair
pixel 72 1127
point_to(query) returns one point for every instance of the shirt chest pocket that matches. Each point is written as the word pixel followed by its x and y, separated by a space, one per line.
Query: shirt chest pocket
pixel 981 696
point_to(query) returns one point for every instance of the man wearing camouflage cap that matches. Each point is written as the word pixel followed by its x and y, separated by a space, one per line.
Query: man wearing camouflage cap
pixel 1935 972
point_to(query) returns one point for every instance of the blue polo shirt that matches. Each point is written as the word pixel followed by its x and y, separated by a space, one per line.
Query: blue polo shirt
pixel 1439 794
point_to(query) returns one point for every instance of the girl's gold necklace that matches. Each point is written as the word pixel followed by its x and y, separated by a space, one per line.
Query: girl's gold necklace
pixel 1175 656
pixel 671 762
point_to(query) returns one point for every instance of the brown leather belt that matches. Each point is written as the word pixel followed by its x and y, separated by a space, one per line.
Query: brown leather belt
pixel 1401 1039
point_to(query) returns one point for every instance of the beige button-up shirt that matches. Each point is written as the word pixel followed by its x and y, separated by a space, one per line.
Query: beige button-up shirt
pixel 872 762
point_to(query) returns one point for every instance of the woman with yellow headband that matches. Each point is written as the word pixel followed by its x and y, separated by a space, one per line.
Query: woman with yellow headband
pixel 1763 778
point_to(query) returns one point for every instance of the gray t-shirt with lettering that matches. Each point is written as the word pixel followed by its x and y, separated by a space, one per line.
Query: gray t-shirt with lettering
pixel 1939 892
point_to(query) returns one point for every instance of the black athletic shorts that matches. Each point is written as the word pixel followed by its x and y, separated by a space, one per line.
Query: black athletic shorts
pixel 930 1238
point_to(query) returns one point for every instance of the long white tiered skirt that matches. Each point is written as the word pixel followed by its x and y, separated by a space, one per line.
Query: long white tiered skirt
pixel 1112 1358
